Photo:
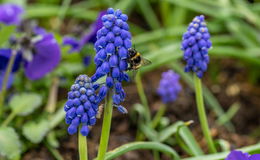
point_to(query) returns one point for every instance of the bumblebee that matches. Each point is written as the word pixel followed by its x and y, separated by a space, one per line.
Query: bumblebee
pixel 135 60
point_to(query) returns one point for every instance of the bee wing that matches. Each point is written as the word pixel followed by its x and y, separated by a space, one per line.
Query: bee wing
pixel 145 62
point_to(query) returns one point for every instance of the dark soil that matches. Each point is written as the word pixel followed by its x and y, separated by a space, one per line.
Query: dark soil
pixel 230 86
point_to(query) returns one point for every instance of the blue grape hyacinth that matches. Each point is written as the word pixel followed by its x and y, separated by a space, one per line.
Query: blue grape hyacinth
pixel 113 42
pixel 169 86
pixel 195 45
pixel 82 105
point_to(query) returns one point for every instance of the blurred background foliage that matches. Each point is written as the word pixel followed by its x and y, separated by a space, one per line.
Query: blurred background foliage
pixel 157 27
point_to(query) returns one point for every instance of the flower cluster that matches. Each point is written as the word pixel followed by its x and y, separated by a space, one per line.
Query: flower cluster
pixel 39 55
pixel 82 105
pixel 169 86
pixel 113 42
pixel 37 50
pixel 238 155
pixel 10 14
pixel 195 45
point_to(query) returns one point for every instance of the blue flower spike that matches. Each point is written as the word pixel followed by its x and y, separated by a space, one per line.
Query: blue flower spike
pixel 195 45
pixel 169 86
pixel 113 42
pixel 82 105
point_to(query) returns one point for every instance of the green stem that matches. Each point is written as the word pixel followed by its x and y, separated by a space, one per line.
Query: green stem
pixel 202 114
pixel 56 154
pixel 156 155
pixel 9 119
pixel 53 93
pixel 6 78
pixel 140 90
pixel 142 96
pixel 83 149
pixel 103 145
pixel 158 116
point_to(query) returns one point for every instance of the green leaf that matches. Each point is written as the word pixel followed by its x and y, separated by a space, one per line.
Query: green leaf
pixel 233 109
pixel 169 131
pixel 149 132
pixel 69 68
pixel 35 131
pixel 20 2
pixel 25 103
pixel 148 14
pixel 5 33
pixel 126 6
pixel 189 140
pixel 10 145
pixel 223 144
pixel 162 56
pixel 45 11
pixel 139 112
pixel 52 139
pixel 211 10
pixel 222 155
pixel 142 145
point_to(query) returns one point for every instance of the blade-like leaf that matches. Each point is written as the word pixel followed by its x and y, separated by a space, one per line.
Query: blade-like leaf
pixel 142 145
pixel 148 14
pixel 190 141
pixel 169 131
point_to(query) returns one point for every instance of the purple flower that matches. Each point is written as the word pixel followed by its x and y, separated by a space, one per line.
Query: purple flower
pixel 82 105
pixel 72 42
pixel 195 45
pixel 10 14
pixel 46 56
pixel 89 37
pixel 39 55
pixel 113 42
pixel 5 54
pixel 169 86
pixel 238 155
pixel 38 30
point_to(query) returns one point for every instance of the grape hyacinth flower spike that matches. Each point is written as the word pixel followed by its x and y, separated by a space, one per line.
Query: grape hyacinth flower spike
pixel 82 106
pixel 195 45
pixel 169 86
pixel 113 42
